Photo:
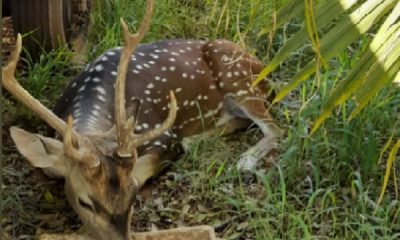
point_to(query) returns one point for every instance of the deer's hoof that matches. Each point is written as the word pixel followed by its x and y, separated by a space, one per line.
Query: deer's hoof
pixel 247 163
pixel 246 167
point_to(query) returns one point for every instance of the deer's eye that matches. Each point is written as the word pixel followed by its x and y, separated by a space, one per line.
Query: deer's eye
pixel 85 205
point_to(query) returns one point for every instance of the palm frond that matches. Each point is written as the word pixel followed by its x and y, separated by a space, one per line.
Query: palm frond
pixel 377 66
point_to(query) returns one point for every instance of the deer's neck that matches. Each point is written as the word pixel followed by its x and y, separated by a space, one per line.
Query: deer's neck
pixel 89 99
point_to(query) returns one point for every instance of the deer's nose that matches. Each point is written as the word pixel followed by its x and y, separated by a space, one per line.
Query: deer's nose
pixel 121 224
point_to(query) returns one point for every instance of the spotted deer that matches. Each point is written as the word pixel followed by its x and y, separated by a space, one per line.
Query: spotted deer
pixel 129 111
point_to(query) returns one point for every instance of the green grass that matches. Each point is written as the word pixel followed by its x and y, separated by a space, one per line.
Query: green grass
pixel 239 21
pixel 323 186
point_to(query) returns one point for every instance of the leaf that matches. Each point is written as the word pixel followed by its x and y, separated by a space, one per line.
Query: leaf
pixel 397 78
pixel 325 14
pixel 385 68
pixel 48 197
pixel 312 30
pixel 392 157
pixel 376 67
pixel 373 85
pixel 339 37
pixel 199 218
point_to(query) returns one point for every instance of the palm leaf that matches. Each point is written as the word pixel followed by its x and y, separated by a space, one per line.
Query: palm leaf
pixel 376 67
pixel 324 16
pixel 339 37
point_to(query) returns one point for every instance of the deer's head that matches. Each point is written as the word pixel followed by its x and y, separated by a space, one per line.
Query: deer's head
pixel 98 168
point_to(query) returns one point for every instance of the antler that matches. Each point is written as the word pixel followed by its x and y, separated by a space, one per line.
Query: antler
pixel 152 134
pixel 12 85
pixel 126 139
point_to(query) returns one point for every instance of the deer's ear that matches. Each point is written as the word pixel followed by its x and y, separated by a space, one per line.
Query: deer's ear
pixel 42 152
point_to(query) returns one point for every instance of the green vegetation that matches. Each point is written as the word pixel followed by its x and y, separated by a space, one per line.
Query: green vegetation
pixel 323 186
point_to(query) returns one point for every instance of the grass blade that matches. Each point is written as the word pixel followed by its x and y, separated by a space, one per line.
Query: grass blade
pixel 392 157
pixel 291 10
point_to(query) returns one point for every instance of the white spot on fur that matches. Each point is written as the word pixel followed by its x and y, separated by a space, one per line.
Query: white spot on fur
pixel 241 92
pixel 101 98
pixel 101 90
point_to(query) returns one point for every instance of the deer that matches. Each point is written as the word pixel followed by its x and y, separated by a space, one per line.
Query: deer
pixel 131 110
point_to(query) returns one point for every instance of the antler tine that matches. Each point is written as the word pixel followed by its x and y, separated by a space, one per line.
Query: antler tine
pixel 12 85
pixel 9 69
pixel 167 124
pixel 71 149
pixel 69 144
pixel 124 127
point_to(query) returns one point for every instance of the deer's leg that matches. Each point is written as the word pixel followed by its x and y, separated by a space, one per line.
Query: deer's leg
pixel 256 111
pixel 146 166
pixel 154 159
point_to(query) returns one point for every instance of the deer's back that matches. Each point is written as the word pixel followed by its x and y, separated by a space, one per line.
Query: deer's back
pixel 200 73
